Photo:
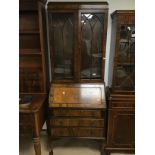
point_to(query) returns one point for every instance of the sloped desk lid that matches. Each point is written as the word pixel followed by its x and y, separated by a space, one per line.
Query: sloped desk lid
pixel 77 96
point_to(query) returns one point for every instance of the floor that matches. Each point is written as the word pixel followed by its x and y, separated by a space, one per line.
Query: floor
pixel 61 147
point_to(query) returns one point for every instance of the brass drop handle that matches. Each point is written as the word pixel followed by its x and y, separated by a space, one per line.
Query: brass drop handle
pixel 104 58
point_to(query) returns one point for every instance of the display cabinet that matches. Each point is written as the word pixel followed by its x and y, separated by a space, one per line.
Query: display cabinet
pixel 77 39
pixel 77 34
pixel 122 52
pixel 33 73
pixel 121 96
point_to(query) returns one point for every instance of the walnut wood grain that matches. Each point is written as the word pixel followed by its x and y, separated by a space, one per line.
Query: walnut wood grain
pixel 77 132
pixel 58 112
pixel 76 122
pixel 77 95
pixel 69 121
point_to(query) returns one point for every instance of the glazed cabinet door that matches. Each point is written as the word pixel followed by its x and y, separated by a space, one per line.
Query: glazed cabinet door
pixel 77 35
pixel 92 41
pixel 125 58
pixel 62 44
pixel 121 129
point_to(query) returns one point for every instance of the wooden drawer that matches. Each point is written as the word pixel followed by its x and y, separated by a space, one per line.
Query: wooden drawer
pixel 77 132
pixel 122 101
pixel 77 122
pixel 76 113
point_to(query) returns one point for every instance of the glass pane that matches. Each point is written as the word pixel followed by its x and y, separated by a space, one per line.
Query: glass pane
pixel 91 45
pixel 62 42
pixel 127 44
pixel 125 77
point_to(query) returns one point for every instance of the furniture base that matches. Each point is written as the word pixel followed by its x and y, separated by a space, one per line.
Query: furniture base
pixel 102 146
pixel 109 150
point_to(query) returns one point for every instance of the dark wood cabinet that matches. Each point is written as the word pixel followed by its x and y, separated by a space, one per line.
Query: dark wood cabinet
pixel 77 39
pixel 77 34
pixel 121 96
pixel 33 75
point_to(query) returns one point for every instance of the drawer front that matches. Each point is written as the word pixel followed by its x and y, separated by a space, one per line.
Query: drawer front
pixel 124 104
pixel 77 132
pixel 122 101
pixel 77 122
pixel 77 113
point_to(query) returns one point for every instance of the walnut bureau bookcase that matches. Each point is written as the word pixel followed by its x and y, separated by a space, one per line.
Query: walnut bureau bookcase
pixel 77 40
pixel 32 70
pixel 121 95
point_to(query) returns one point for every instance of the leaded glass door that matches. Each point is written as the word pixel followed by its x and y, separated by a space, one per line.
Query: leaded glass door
pixel 92 48
pixel 61 26
pixel 125 58
pixel 77 39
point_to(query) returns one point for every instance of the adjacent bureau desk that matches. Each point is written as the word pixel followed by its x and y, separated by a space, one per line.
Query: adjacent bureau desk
pixel 77 111
pixel 32 117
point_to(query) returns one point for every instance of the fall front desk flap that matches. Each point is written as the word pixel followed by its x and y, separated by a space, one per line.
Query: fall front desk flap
pixel 77 96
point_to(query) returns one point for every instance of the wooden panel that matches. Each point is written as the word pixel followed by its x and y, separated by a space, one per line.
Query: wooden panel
pixel 77 122
pixel 126 18
pixel 77 95
pixel 30 62
pixel 77 132
pixel 28 5
pixel 26 123
pixel 77 113
pixel 121 128
pixel 28 22
pixel 76 6
pixel 29 41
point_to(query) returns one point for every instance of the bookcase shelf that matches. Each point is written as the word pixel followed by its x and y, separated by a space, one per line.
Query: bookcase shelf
pixel 28 32
pixel 30 52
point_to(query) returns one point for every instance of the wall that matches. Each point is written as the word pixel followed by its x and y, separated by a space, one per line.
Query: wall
pixel 113 5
